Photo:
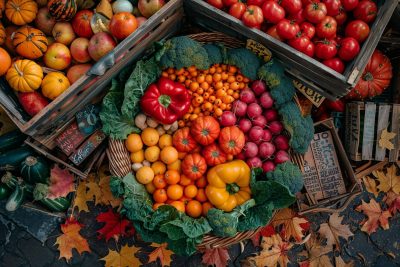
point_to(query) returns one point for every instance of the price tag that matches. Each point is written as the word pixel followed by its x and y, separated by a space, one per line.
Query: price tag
pixel 311 95
pixel 259 49
pixel 88 119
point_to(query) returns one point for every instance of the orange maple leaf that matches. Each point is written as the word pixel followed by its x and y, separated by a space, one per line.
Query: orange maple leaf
pixel 61 183
pixel 107 197
pixel 375 216
pixel 161 252
pixel 71 239
pixel 217 257
pixel 292 224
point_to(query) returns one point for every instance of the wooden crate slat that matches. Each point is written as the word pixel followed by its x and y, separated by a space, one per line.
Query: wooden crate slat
pixel 395 128
pixel 354 131
pixel 383 123
pixel 369 131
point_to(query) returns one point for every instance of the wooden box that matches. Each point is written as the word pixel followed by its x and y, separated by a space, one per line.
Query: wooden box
pixel 82 92
pixel 364 124
pixel 308 71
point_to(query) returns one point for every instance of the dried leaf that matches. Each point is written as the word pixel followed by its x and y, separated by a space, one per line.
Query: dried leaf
pixel 124 258
pixel 217 257
pixel 115 226
pixel 339 262
pixel 94 192
pixel 384 141
pixel 107 197
pixel 71 239
pixel 375 216
pixel 292 224
pixel 266 231
pixel 388 181
pixel 370 185
pixel 316 253
pixel 161 252
pixel 80 201
pixel 334 229
pixel 393 201
pixel 61 183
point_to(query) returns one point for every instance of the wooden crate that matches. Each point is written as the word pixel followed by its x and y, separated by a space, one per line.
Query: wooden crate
pixel 64 107
pixel 308 71
pixel 364 124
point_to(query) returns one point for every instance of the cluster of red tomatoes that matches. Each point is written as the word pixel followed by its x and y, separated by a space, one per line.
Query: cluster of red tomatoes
pixel 328 30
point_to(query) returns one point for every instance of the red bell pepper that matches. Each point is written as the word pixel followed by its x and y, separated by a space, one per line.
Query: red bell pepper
pixel 166 101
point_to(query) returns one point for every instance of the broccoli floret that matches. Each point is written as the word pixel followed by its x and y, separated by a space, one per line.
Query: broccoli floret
pixel 301 128
pixel 289 175
pixel 180 52
pixel 214 53
pixel 245 60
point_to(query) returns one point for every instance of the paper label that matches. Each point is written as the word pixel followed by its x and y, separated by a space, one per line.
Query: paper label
pixel 311 95
pixel 259 49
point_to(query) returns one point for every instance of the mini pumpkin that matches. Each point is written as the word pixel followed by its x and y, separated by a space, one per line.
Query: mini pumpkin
pixel 5 60
pixel 54 84
pixel 24 76
pixel 2 7
pixel 62 9
pixel 3 35
pixel 30 42
pixel 21 12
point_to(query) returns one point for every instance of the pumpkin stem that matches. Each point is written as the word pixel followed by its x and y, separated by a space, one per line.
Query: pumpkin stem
pixel 368 76
pixel 20 73
pixel 31 161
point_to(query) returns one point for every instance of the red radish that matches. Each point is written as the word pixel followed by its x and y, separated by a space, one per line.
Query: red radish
pixel 275 127
pixel 246 138
pixel 267 136
pixel 254 162
pixel 260 121
pixel 245 125
pixel 241 156
pixel 281 142
pixel 250 150
pixel 266 100
pixel 266 150
pixel 256 133
pixel 239 108
pixel 258 87
pixel 271 114
pixel 228 119
pixel 247 96
pixel 254 110
pixel 281 156
pixel 268 166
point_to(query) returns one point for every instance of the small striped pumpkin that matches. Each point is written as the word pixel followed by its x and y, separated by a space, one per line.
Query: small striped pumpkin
pixel 3 35
pixel 29 42
pixel 62 10
pixel 21 12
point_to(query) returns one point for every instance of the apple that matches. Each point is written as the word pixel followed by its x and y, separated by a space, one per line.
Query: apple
pixel 140 20
pixel 57 56
pixel 149 7
pixel 122 25
pixel 79 50
pixel 63 33
pixel 100 44
pixel 44 21
pixel 77 71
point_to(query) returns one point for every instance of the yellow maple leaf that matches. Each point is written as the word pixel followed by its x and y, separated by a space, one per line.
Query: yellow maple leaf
pixel 161 252
pixel 334 229
pixel 80 200
pixel 388 181
pixel 124 258
pixel 316 253
pixel 291 222
pixel 107 197
pixel 370 185
pixel 94 192
pixel 71 239
pixel 384 141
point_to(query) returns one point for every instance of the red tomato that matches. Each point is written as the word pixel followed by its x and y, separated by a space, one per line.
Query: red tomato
pixel 326 28
pixel 366 10
pixel 291 6
pixel 298 17
pixel 273 12
pixel 349 49
pixel 335 63
pixel 307 29
pixel 274 33
pixel 325 49
pixel 299 43
pixel 332 6
pixel 315 12
pixel 255 2
pixel 306 2
pixel 287 29
pixel 341 17
pixel 122 25
pixel 253 16
pixel 309 50
pixel 349 5
pixel 237 10
pixel 216 3
pixel 229 2
pixel 81 23
pixel 338 105
pixel 357 29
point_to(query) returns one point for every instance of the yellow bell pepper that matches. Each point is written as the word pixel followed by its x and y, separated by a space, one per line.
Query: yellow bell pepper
pixel 228 185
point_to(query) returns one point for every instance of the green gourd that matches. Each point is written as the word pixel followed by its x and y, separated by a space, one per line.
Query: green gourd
pixel 35 170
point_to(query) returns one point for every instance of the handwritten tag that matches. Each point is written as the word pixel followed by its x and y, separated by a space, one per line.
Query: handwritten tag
pixel 88 119
pixel 311 95
pixel 259 49
pixel 70 139
pixel 87 147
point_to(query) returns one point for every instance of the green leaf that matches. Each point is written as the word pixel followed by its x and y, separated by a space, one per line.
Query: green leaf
pixel 185 246
pixel 117 186
pixel 149 235
pixel 255 217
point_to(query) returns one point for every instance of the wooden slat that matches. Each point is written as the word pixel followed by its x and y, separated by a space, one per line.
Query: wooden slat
pixel 353 130
pixel 395 128
pixel 369 131
pixel 383 123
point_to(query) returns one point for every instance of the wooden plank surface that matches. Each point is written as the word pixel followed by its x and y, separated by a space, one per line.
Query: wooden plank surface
pixel 395 128
pixel 369 131
pixel 353 130
pixel 383 123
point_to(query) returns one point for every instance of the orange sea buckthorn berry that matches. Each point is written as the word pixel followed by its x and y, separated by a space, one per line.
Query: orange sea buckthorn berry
pixel 197 110
pixel 194 86
pixel 164 74
pixel 211 99
pixel 218 112
pixel 191 69
pixel 181 123
pixel 180 71
pixel 220 93
pixel 201 78
pixel 181 79
pixel 229 92
pixel 217 102
pixel 236 95
pixel 232 69
pixel 209 78
pixel 212 70
pixel 170 70
pixel 194 116
pixel 186 117
pixel 223 106
pixel 205 85
pixel 242 85
pixel 200 91
pixel 234 86
pixel 239 78
pixel 206 95
pixel 231 79
pixel 246 80
pixel 172 77
pixel 216 77
pixel 224 76
pixel 228 106
pixel 219 85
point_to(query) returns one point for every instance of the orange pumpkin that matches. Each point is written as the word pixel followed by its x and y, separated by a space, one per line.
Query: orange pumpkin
pixel 205 130
pixel 5 60
pixel 62 9
pixel 3 35
pixel 54 84
pixel 231 140
pixel 194 166
pixel 21 12
pixel 30 42
pixel 2 7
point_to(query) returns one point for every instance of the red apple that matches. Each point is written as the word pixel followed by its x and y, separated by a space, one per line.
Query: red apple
pixel 122 25
pixel 149 7
pixel 81 23
pixel 63 33
pixel 100 44
pixel 44 21
pixel 140 20
pixel 79 50
pixel 77 71
pixel 57 56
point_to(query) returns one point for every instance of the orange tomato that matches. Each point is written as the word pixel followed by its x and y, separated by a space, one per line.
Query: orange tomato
pixel 172 177
pixel 190 191
pixel 179 205
pixel 150 188
pixel 175 191
pixel 201 195
pixel 194 208
pixel 205 207
pixel 185 181
pixel 160 196
pixel 159 181
pixel 202 182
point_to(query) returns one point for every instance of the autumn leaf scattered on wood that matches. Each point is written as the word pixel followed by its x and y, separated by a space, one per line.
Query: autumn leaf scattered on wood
pixel 71 239
pixel 316 253
pixel 370 185
pixel 388 181
pixel 81 198
pixel 61 183
pixel 123 258
pixel 375 216
pixel 334 229
pixel 94 192
pixel 115 225
pixel 393 201
pixel 339 262
pixel 107 197
pixel 274 251
pixel 266 231
pixel 384 141
pixel 162 253
pixel 217 257
pixel 291 222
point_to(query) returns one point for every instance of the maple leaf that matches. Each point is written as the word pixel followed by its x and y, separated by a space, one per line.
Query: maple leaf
pixel 81 198
pixel 217 257
pixel 388 182
pixel 339 262
pixel 393 201
pixel 375 216
pixel 316 253
pixel 124 258
pixel 292 224
pixel 71 239
pixel 334 229
pixel 114 226
pixel 61 183
pixel 94 192
pixel 265 231
pixel 370 185
pixel 107 197
pixel 161 252
pixel 384 141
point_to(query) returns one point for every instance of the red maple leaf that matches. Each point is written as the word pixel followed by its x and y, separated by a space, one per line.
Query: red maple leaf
pixel 217 257
pixel 115 226
pixel 266 231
